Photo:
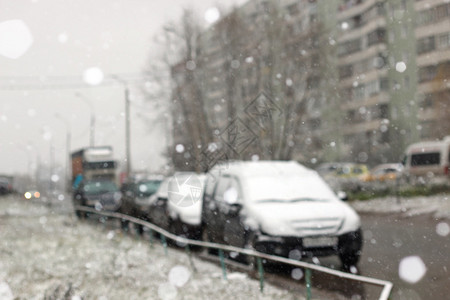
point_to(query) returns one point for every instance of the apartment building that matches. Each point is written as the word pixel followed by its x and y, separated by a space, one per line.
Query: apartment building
pixel 364 77
pixel 433 61
pixel 376 70
pixel 394 68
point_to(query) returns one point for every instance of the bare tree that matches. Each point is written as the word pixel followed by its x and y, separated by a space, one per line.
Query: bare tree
pixel 183 98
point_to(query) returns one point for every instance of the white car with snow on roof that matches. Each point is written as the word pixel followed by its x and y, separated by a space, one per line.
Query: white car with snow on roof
pixel 184 205
pixel 279 208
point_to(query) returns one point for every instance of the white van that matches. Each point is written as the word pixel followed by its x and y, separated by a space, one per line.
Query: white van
pixel 428 159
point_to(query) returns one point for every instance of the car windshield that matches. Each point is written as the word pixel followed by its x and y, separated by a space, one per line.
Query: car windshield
pixel 147 188
pixel 99 187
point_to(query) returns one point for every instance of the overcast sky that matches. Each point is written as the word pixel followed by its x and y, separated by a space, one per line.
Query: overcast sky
pixel 66 38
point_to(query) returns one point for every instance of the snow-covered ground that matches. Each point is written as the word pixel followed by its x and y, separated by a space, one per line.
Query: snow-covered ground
pixel 438 206
pixel 47 255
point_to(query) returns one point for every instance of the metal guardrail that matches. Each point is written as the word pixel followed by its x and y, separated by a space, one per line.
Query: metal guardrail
pixel 386 285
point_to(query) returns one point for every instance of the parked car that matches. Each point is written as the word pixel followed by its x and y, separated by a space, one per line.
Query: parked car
pixel 343 176
pixel 136 193
pixel 352 171
pixel 185 194
pixel 99 194
pixel 5 186
pixel 428 159
pixel 384 172
pixel 326 169
pixel 343 170
pixel 279 208
pixel 157 211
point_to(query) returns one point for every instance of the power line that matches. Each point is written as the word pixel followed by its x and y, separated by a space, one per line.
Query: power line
pixel 72 77
pixel 20 83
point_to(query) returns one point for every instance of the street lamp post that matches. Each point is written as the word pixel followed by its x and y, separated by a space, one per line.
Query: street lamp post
pixel 28 150
pixel 29 178
pixel 127 123
pixel 34 177
pixel 92 120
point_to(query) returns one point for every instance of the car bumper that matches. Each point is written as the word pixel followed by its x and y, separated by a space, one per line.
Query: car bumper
pixel 296 247
pixel 102 206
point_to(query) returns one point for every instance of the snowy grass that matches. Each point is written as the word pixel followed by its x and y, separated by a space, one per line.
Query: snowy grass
pixel 378 190
pixel 437 205
pixel 51 256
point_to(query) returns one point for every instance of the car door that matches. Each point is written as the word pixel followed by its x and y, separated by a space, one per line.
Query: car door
pixel 234 229
pixel 127 194
pixel 209 207
pixel 218 208
pixel 158 208
pixel 161 214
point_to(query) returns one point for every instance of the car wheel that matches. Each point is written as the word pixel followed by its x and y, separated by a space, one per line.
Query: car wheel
pixel 77 201
pixel 350 249
pixel 249 245
pixel 174 226
pixel 124 224
pixel 349 259
pixel 139 229
pixel 207 238
pixel 80 215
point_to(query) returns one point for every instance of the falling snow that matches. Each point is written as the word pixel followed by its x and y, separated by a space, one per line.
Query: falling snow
pixel 400 67
pixel 179 276
pixel 190 65
pixel 5 291
pixel 96 262
pixel 93 76
pixel 63 38
pixel 411 269
pixel 212 14
pixel 15 38
pixel 179 148
pixel 297 274
pixel 443 229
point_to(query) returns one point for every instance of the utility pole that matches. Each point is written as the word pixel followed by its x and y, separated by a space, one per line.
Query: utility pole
pixel 52 169
pixel 92 118
pixel 127 129
pixel 127 123
pixel 67 160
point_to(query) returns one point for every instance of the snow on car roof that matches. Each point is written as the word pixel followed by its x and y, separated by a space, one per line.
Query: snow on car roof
pixel 262 168
pixel 283 180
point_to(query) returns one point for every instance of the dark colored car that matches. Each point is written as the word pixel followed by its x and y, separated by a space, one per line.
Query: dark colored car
pixel 99 194
pixel 136 196
pixel 5 186
pixel 157 213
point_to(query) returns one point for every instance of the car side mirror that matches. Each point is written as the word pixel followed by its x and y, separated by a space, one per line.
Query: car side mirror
pixel 342 195
pixel 161 201
pixel 235 209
